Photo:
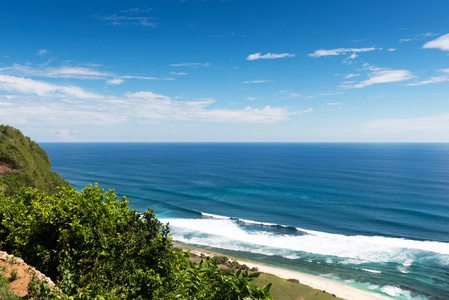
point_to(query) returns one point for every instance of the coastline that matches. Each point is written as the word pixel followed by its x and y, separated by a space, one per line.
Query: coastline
pixel 323 284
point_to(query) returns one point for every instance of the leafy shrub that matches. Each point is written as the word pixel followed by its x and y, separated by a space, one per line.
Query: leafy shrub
pixel 14 274
pixel 5 294
pixel 95 247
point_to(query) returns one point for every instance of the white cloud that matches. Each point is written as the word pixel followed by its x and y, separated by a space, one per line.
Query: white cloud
pixel 120 20
pixel 256 56
pixel 418 37
pixel 139 77
pixel 137 10
pixel 391 49
pixel 68 72
pixel 257 81
pixel 382 76
pixel 140 107
pixel 441 43
pixel 156 107
pixel 444 70
pixel 351 75
pixel 191 65
pixel 75 72
pixel 330 94
pixel 333 103
pixel 42 52
pixel 251 98
pixel 52 72
pixel 30 86
pixel 340 51
pixel 65 135
pixel 431 123
pixel 115 81
pixel 178 73
pixel 433 79
pixel 290 94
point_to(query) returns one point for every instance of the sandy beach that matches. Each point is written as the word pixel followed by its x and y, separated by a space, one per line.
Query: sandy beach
pixel 339 290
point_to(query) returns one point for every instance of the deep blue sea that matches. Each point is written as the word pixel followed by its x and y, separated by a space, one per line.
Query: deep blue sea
pixel 373 216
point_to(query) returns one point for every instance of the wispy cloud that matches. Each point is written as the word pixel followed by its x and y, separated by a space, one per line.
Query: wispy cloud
pixel 258 55
pixel 65 135
pixel 73 72
pixel 290 95
pixel 178 73
pixel 329 94
pixel 257 81
pixel 191 65
pixel 130 17
pixel 418 37
pixel 136 10
pixel 429 124
pixel 40 88
pixel 42 52
pixel 333 103
pixel 379 75
pixel 115 81
pixel 347 76
pixel 441 43
pixel 141 107
pixel 341 51
pixel 433 79
pixel 52 72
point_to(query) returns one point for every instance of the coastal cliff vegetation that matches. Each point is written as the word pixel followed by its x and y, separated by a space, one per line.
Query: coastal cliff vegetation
pixel 23 163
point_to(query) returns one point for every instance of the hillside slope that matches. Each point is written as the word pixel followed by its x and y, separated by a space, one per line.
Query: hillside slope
pixel 25 163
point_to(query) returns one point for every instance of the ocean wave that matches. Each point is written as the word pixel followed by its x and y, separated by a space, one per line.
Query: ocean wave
pixel 253 223
pixel 227 233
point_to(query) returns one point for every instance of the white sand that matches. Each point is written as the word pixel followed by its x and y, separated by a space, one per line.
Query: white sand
pixel 331 287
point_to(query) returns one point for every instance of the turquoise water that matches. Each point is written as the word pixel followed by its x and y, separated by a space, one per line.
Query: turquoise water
pixel 374 216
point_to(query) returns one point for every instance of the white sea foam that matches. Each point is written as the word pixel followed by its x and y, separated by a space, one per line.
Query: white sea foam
pixel 403 269
pixel 372 271
pixel 395 291
pixel 249 222
pixel 223 232
pixel 430 246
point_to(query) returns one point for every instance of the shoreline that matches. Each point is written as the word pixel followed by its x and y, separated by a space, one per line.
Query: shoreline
pixel 323 284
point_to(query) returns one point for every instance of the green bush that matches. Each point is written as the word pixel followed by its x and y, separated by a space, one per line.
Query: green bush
pixel 95 247
pixel 5 294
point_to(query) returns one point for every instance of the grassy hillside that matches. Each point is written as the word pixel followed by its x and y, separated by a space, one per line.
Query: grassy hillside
pixel 23 163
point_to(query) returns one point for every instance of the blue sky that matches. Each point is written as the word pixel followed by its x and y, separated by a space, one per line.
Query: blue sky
pixel 226 71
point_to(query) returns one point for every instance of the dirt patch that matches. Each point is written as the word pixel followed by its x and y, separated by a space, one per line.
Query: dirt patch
pixel 5 169
pixel 19 274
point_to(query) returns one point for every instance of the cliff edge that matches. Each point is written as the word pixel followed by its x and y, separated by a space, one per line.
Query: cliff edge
pixel 23 163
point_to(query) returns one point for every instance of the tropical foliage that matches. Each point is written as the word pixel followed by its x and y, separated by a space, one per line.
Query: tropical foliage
pixel 96 247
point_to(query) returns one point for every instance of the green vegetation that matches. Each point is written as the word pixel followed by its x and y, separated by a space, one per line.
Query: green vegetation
pixel 286 289
pixel 95 247
pixel 14 274
pixel 5 294
pixel 23 163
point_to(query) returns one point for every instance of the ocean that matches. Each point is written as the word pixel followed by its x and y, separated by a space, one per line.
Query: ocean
pixel 374 216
